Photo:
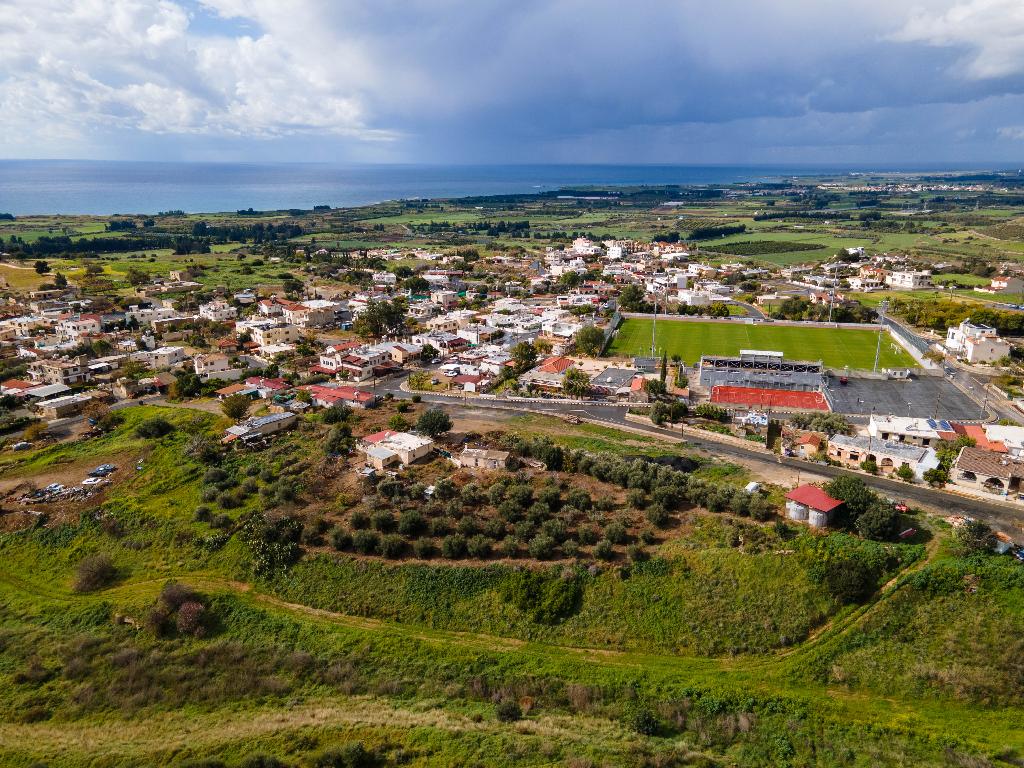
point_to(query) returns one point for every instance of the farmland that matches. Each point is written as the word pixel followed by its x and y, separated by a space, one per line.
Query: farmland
pixel 836 348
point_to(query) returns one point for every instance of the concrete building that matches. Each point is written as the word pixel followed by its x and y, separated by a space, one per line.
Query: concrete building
pixel 481 458
pixel 388 449
pixel 902 429
pixel 981 470
pixel 976 343
pixel 217 311
pixel 909 280
pixel 260 426
pixel 887 456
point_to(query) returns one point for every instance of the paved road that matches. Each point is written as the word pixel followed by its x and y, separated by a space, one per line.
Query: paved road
pixel 1002 516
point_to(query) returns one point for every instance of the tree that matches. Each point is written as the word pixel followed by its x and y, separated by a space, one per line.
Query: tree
pixel 235 407
pixel 419 380
pixel 60 281
pixel 575 383
pixel 381 318
pixel 524 357
pixel 905 473
pixel 41 267
pixel 664 369
pixel 429 352
pixel 34 431
pixel 974 537
pixel 879 522
pixel 398 423
pixel 589 340
pixel 632 299
pixel 853 492
pixel 434 422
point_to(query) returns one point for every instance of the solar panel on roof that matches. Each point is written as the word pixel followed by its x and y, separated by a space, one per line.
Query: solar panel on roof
pixel 932 423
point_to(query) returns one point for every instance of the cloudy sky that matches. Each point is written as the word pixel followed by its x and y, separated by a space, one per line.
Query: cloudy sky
pixel 437 81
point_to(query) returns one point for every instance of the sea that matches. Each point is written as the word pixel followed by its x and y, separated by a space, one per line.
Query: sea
pixel 109 187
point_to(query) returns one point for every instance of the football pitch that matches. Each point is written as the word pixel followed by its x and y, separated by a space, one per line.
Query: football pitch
pixel 835 347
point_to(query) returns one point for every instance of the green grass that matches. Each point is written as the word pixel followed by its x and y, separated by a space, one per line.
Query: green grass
pixel 836 348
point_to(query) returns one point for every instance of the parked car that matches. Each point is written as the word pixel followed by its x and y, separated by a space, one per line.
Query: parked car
pixel 103 470
pixel 93 480
pixel 21 446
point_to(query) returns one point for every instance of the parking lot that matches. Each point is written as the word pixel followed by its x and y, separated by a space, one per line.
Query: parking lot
pixel 921 396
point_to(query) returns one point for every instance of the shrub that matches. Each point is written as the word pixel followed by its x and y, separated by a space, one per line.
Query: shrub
pixel 508 711
pixel 467 526
pixel 94 572
pixel 423 548
pixel 359 520
pixel 588 535
pixel 638 717
pixel 384 521
pixel 570 548
pixel 494 528
pixel 541 547
pixel 222 521
pixel 509 548
pixel 417 398
pixel 604 549
pixel 189 620
pixel 202 514
pixel 636 553
pixel 636 498
pixel 214 476
pixel 341 539
pixel 615 533
pixel 440 526
pixel 392 546
pixel 154 428
pixel 479 547
pixel 554 528
pixel 454 546
pixel 365 542
pixel 656 515
pixel 353 755
pixel 261 761
pixel 411 523
pixel 434 422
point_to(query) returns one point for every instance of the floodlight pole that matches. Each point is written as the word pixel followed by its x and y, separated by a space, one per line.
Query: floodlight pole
pixel 881 327
pixel 654 323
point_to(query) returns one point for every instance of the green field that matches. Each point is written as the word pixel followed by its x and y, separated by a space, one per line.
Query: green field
pixel 834 347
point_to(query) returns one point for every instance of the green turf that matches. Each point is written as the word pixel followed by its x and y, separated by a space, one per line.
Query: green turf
pixel 836 348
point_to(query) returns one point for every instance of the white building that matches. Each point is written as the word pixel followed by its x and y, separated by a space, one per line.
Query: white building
pixel 976 343
pixel 217 311
pixel 909 280
pixel 215 367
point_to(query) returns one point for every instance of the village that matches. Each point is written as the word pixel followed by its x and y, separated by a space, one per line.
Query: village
pixel 555 332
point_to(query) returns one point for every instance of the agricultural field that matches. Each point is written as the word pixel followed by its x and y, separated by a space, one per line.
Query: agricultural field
pixel 836 348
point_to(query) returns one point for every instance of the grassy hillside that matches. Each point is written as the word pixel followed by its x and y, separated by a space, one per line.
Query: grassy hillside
pixel 726 647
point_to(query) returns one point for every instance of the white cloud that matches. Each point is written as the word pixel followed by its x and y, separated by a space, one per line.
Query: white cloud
pixel 493 79
pixel 990 32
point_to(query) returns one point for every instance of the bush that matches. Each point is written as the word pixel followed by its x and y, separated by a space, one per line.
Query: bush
pixel 154 428
pixel 434 422
pixel 189 620
pixel 353 755
pixel 636 553
pixel 604 550
pixel 365 542
pixel 423 549
pixel 222 521
pixel 94 572
pixel 878 523
pixel 384 521
pixel 638 717
pixel 440 526
pixel 615 533
pixel 411 523
pixel 508 711
pixel 588 535
pixel 636 498
pixel 656 515
pixel 453 547
pixel 392 546
pixel 341 539
pixel 202 514
pixel 359 520
pixel 541 547
pixel 479 547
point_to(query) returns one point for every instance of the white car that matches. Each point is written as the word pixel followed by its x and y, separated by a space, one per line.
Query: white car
pixel 93 481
